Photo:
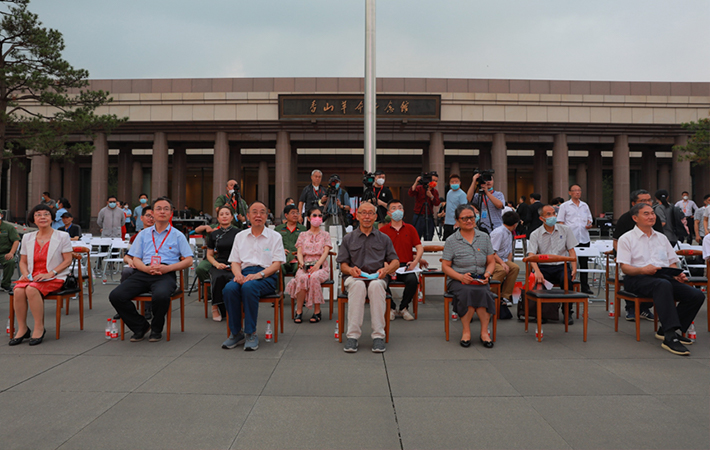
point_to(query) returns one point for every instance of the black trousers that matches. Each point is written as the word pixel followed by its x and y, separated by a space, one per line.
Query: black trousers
pixel 160 286
pixel 411 281
pixel 664 292
pixel 555 273
pixel 583 264
pixel 219 279
pixel 448 231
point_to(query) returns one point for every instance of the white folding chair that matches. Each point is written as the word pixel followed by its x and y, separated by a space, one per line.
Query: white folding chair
pixel 594 265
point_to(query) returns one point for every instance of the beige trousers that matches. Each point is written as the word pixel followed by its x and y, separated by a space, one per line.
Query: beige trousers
pixel 358 290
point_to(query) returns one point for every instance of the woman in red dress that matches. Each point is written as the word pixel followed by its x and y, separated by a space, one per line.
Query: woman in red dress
pixel 45 257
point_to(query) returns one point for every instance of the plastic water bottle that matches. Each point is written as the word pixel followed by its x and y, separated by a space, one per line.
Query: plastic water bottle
pixel 454 316
pixel 127 237
pixel 611 308
pixel 421 297
pixel 114 329
pixel 692 335
pixel 337 331
pixel 539 332
pixel 7 329
pixel 269 333
pixel 108 328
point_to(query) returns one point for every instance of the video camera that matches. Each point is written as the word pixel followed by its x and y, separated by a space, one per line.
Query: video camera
pixel 333 183
pixel 486 176
pixel 426 178
pixel 368 179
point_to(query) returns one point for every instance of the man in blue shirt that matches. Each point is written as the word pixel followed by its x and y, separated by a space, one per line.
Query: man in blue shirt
pixel 455 197
pixel 137 216
pixel 156 254
pixel 488 202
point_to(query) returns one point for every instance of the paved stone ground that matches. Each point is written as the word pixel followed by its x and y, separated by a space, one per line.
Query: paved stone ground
pixel 611 392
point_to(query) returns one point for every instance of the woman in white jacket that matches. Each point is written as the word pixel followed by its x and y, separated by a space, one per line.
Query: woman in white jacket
pixel 45 257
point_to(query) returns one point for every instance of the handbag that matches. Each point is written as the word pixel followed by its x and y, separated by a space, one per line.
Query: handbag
pixel 71 282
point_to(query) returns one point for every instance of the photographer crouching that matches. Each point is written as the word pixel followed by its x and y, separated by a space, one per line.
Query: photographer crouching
pixel 426 197
pixel 489 202
pixel 337 206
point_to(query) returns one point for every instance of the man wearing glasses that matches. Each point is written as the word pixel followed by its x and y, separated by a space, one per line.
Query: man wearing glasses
pixel 156 254
pixel 366 258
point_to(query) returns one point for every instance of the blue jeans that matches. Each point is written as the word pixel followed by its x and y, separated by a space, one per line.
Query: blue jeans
pixel 235 295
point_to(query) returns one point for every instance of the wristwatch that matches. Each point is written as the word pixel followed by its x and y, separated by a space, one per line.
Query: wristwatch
pixel 263 275
pixel 55 272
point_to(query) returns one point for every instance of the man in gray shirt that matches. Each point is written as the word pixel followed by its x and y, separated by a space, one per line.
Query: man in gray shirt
pixel 366 258
pixel 111 219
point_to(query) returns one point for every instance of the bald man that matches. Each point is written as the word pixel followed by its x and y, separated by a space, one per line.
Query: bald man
pixel 235 203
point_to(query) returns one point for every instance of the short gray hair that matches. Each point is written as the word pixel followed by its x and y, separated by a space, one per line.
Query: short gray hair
pixel 316 171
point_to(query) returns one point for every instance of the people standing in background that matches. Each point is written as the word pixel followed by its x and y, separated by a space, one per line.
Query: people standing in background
pixel 455 197
pixel 576 215
pixel 138 212
pixel 62 205
pixel 688 207
pixel 110 219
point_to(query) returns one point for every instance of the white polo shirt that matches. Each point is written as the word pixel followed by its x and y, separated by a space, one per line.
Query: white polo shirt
pixel 706 246
pixel 249 250
pixel 637 249
pixel 576 218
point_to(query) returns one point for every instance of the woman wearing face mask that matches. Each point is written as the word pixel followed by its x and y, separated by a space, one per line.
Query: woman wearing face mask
pixel 382 195
pixel 313 247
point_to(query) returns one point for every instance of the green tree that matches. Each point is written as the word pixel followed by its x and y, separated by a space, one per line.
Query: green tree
pixel 698 148
pixel 42 97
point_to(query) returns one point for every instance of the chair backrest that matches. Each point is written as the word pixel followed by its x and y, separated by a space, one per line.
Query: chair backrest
pixel 689 252
pixel 587 252
pixel 548 259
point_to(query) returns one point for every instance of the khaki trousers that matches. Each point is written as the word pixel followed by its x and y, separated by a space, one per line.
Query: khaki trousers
pixel 358 290
pixel 508 280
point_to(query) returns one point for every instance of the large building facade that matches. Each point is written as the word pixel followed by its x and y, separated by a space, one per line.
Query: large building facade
pixel 186 138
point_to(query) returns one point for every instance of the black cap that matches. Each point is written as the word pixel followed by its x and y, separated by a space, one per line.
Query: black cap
pixel 67 214
pixel 289 208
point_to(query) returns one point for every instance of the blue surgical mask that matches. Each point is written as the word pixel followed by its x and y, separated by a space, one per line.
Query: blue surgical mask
pixel 111 205
pixel 455 187
pixel 397 215
pixel 478 216
pixel 551 221
pixel 144 201
pixel 490 189
pixel 337 185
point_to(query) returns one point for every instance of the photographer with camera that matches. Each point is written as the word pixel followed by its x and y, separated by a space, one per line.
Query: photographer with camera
pixel 313 195
pixel 489 202
pixel 235 203
pixel 337 204
pixel 426 198
pixel 381 195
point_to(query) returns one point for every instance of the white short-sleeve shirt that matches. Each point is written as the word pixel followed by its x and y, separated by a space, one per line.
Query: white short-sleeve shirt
pixel 249 250
pixel 576 218
pixel 637 249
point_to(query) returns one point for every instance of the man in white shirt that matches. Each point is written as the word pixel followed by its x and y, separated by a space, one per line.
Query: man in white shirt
pixel 257 254
pixel 700 229
pixel 506 270
pixel 688 207
pixel 640 254
pixel 576 215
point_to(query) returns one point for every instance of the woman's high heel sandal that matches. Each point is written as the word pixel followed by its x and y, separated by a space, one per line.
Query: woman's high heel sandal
pixel 18 341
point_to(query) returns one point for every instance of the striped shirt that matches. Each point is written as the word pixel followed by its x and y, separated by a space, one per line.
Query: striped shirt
pixel 559 242
pixel 465 257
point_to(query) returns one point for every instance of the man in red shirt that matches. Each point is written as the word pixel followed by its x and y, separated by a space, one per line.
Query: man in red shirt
pixel 426 198
pixel 404 237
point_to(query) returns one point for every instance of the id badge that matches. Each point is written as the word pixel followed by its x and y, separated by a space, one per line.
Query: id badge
pixel 484 214
pixel 155 260
pixel 236 217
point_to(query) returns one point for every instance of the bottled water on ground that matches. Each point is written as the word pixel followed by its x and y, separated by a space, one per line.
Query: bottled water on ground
pixel 269 333
pixel 337 331
pixel 108 328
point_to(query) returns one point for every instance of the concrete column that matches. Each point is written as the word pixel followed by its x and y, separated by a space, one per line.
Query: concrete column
pixel 702 183
pixel 159 184
pixel 484 158
pixel 125 173
pixel 622 177
pixel 455 169
pixel 294 176
pixel 664 177
pixel 283 171
pixel 99 178
pixel 649 171
pixel 499 163
pixel 179 194
pixel 681 172
pixel 71 187
pixel 221 164
pixel 39 178
pixel 235 163
pixel 436 155
pixel 55 180
pixel 137 182
pixel 560 166
pixel 18 191
pixel 425 160
pixel 540 175
pixel 263 185
pixel 594 182
pixel 582 179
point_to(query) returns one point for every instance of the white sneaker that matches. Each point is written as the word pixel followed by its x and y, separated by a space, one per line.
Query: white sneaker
pixel 393 315
pixel 406 315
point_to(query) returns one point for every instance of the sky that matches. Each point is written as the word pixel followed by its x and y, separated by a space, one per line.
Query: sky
pixel 620 40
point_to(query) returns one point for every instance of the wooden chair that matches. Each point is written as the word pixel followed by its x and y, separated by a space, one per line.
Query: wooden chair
pixel 699 281
pixel 430 273
pixel 610 281
pixel 564 295
pixel 84 252
pixel 277 299
pixel 178 294
pixel 60 297
pixel 203 292
pixel 343 299
pixel 327 284
pixel 494 286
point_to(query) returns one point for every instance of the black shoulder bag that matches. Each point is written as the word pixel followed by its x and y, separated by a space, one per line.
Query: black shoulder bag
pixel 71 282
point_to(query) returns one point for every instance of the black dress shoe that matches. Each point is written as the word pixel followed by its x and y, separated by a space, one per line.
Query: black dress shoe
pixel 465 343
pixel 487 344
pixel 588 291
pixel 18 341
pixel 37 341
pixel 155 336
pixel 139 336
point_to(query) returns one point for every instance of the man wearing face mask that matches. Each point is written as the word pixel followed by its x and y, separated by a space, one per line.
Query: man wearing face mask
pixel 235 203
pixel 111 219
pixel 491 204
pixel 688 207
pixel 426 197
pixel 138 212
pixel 553 239
pixel 382 195
pixel 455 197
pixel 313 195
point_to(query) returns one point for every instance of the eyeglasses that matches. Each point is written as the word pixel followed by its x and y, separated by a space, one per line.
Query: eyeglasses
pixel 367 213
pixel 317 215
pixel 149 217
pixel 39 214
pixel 467 218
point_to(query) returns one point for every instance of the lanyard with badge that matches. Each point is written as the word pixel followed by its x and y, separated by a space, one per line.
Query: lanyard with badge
pixel 156 260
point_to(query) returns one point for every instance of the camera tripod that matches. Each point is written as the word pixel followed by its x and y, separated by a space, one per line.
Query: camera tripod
pixel 479 205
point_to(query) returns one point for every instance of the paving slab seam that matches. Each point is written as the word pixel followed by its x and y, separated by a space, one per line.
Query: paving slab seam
pixel 547 421
pixel 50 368
pixel 394 407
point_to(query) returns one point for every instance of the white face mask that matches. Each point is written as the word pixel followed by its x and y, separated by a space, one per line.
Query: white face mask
pixel 685 197
pixel 380 181
pixel 230 192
